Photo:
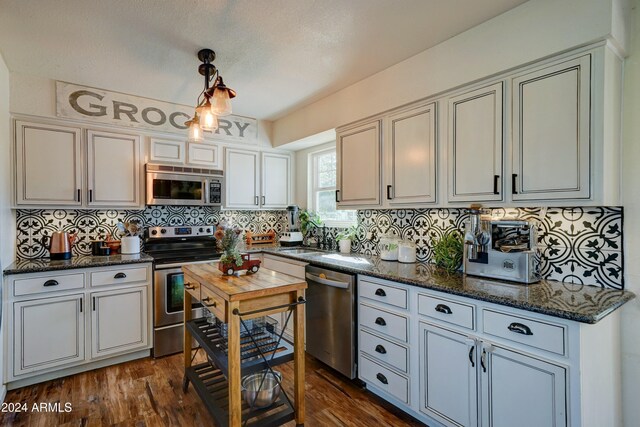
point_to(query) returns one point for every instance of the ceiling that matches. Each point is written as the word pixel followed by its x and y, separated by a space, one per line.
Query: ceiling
pixel 278 55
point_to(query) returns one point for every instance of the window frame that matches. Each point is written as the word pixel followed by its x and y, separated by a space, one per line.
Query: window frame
pixel 313 189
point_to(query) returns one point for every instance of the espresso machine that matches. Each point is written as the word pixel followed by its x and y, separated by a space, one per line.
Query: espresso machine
pixel 501 248
pixel 293 236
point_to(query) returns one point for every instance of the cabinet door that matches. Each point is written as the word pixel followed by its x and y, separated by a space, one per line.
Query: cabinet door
pixel 276 181
pixel 411 156
pixel 119 321
pixel 242 175
pixel 48 332
pixel 475 145
pixel 448 379
pixel 519 390
pixel 202 154
pixel 48 165
pixel 113 169
pixel 358 161
pixel 552 132
pixel 167 151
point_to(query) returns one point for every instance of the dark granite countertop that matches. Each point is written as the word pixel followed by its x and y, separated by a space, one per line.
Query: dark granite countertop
pixel 22 266
pixel 581 303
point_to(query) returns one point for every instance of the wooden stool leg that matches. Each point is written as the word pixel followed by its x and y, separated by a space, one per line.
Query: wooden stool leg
pixel 298 338
pixel 235 397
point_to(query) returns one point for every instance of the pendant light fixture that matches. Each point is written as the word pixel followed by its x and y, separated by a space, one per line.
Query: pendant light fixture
pixel 213 101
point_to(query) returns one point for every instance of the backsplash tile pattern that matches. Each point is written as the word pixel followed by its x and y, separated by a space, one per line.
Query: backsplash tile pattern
pixel 33 224
pixel 578 245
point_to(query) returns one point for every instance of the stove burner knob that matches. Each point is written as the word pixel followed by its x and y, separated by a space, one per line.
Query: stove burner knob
pixel 154 232
pixel 208 230
pixel 201 230
pixel 163 231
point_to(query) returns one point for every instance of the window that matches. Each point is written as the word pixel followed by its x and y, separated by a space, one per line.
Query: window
pixel 322 190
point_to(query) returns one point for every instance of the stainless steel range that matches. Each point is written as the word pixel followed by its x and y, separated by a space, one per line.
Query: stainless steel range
pixel 171 248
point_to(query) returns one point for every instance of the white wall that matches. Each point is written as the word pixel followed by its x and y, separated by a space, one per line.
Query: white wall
pixel 534 30
pixel 631 203
pixel 36 96
pixel 301 176
pixel 7 220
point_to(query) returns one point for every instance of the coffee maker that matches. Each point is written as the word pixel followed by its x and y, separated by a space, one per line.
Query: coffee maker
pixel 501 248
pixel 292 237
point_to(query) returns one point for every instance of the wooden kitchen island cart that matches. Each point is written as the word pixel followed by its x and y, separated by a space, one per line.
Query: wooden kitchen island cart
pixel 234 347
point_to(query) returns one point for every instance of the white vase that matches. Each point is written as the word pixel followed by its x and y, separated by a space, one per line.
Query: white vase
pixel 130 245
pixel 345 246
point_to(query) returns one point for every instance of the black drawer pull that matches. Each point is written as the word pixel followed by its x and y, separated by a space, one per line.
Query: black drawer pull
pixel 380 321
pixel 120 276
pixel 51 283
pixel 381 292
pixel 496 179
pixel 207 299
pixel 389 197
pixel 514 180
pixel 380 349
pixel 382 378
pixel 337 196
pixel 473 347
pixel 484 354
pixel 519 328
pixel 441 308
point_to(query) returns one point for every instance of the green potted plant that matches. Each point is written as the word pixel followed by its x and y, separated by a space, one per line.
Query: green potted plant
pixel 228 238
pixel 345 237
pixel 308 220
pixel 448 250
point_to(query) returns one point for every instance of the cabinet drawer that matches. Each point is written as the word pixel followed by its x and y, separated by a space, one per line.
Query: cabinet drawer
pixel 383 293
pixel 285 267
pixel 384 379
pixel 385 322
pixel 48 283
pixel 534 333
pixel 213 302
pixel 446 310
pixel 383 350
pixel 119 276
pixel 192 286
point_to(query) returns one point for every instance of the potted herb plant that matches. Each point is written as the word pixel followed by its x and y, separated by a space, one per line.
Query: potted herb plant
pixel 130 240
pixel 345 237
pixel 447 251
pixel 308 221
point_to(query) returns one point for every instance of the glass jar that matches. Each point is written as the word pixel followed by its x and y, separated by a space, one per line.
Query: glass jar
pixel 407 251
pixel 388 247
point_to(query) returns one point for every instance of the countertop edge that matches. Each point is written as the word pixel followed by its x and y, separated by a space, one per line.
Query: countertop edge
pixel 93 263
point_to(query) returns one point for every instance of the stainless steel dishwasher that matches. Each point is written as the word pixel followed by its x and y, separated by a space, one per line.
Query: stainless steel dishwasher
pixel 331 318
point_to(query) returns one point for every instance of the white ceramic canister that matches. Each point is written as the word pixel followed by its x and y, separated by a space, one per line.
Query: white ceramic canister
pixel 130 245
pixel 406 251
pixel 388 247
pixel 345 246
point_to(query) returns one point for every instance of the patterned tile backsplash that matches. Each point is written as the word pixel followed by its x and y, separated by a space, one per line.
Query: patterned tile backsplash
pixel 32 225
pixel 578 245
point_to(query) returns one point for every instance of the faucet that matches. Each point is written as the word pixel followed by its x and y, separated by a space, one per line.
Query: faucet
pixel 324 237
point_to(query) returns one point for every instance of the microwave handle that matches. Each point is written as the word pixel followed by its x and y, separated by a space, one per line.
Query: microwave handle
pixel 206 191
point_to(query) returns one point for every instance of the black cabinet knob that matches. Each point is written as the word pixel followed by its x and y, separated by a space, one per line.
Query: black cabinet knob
pixel 441 308
pixel 380 349
pixel 381 292
pixel 51 283
pixel 380 321
pixel 519 328
pixel 120 276
pixel 382 378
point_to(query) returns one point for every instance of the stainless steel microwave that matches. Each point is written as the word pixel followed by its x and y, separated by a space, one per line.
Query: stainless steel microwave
pixel 179 185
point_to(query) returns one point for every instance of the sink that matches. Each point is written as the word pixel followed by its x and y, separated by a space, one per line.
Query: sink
pixel 351 259
pixel 299 251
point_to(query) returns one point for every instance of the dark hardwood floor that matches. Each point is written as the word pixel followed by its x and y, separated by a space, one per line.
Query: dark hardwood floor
pixel 148 392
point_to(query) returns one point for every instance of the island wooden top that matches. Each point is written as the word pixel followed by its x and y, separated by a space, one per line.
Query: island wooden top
pixel 263 283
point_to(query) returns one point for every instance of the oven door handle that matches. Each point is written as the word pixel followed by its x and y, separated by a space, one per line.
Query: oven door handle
pixel 334 283
pixel 180 264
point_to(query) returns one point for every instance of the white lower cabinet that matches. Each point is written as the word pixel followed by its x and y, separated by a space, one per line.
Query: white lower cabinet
pixel 455 361
pixel 521 390
pixel 118 321
pixel 61 322
pixel 48 332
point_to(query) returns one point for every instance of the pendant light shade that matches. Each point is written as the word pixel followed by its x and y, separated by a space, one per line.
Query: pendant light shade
pixel 195 131
pixel 208 120
pixel 222 95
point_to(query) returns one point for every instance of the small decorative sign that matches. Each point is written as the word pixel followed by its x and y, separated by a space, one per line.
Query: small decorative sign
pixel 103 106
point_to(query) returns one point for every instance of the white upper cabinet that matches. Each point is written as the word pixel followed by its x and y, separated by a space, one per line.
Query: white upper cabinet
pixel 276 181
pixel 48 164
pixel 358 161
pixel 202 154
pixel 113 169
pixel 410 156
pixel 167 151
pixel 475 140
pixel 242 179
pixel 552 132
